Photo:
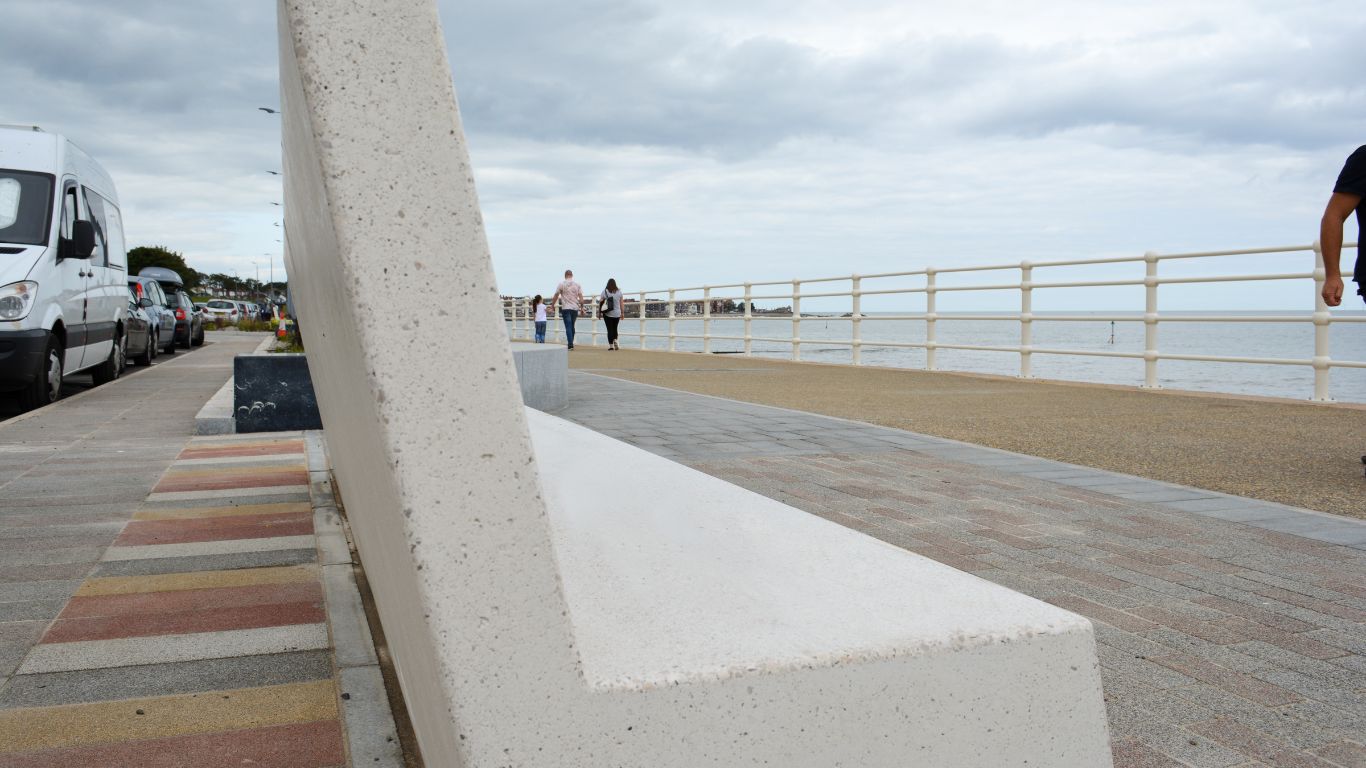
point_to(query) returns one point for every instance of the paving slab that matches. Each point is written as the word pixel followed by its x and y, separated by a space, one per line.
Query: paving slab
pixel 190 624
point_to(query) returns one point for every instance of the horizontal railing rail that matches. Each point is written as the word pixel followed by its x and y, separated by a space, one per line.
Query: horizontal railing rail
pixel 665 304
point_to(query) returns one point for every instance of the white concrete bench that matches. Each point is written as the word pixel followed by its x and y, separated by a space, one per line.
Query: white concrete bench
pixel 579 602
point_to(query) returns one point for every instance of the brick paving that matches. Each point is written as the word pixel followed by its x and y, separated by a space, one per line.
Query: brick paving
pixel 1230 631
pixel 184 619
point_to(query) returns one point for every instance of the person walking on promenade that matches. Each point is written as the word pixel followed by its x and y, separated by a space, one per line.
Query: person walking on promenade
pixel 1349 194
pixel 569 294
pixel 538 306
pixel 609 309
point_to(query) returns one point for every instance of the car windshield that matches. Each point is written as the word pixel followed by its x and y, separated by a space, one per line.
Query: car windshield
pixel 222 305
pixel 172 300
pixel 25 207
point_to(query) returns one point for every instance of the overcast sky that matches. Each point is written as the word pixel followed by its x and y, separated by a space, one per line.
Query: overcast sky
pixel 669 143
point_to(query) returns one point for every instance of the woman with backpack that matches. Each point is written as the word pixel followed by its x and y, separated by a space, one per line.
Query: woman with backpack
pixel 609 309
pixel 538 305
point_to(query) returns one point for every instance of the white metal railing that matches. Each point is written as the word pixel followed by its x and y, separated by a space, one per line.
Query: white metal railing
pixel 517 311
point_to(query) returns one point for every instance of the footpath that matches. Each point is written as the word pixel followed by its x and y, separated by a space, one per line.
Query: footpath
pixel 1231 632
pixel 167 600
pixel 1297 453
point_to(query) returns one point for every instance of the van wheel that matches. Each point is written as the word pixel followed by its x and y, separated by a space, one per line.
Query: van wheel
pixel 47 381
pixel 148 352
pixel 109 370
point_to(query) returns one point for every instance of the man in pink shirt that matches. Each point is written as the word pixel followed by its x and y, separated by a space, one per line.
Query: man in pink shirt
pixel 570 295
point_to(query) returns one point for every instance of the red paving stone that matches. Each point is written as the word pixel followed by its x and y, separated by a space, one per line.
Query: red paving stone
pixel 226 481
pixel 256 449
pixel 141 532
pixel 1131 754
pixel 185 622
pixel 213 599
pixel 1237 683
pixel 1239 737
pixel 300 745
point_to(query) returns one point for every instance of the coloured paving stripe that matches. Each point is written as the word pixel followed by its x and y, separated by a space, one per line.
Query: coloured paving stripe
pixel 277 494
pixel 255 448
pixel 178 513
pixel 135 651
pixel 305 745
pixel 192 599
pixel 143 532
pixel 189 646
pixel 169 582
pixel 231 477
pixel 185 622
pixel 204 549
pixel 78 725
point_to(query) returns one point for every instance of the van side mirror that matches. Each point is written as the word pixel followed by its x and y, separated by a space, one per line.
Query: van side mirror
pixel 144 302
pixel 82 239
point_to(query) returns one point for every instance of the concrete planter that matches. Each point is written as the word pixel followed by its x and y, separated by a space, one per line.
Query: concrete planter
pixel 273 393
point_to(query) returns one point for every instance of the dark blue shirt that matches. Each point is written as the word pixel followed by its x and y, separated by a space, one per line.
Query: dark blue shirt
pixel 1352 181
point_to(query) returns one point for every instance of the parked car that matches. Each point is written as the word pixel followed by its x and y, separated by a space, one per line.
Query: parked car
pixel 139 343
pixel 246 310
pixel 189 327
pixel 62 266
pixel 152 298
pixel 223 309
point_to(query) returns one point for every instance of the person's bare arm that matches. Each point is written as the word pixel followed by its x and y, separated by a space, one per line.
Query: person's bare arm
pixel 1340 206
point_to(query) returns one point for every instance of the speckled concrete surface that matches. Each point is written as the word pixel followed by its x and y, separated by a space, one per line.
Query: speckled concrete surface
pixel 1301 454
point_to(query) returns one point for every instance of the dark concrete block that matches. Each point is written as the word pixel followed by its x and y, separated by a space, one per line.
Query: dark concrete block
pixel 274 393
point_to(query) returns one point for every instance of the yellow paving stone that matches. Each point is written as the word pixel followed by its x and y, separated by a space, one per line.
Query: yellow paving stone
pixel 192 513
pixel 76 725
pixel 170 582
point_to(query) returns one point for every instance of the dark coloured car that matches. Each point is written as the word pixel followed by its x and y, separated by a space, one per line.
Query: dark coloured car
pixel 189 324
pixel 152 298
pixel 139 343
pixel 186 333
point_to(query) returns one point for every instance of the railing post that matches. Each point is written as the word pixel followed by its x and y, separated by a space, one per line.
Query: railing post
pixel 594 319
pixel 796 320
pixel 706 319
pixel 1026 319
pixel 749 318
pixel 1322 322
pixel 518 310
pixel 1150 321
pixel 856 317
pixel 673 347
pixel 557 322
pixel 642 319
pixel 931 364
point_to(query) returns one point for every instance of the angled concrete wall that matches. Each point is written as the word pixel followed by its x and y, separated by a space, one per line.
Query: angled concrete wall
pixel 627 622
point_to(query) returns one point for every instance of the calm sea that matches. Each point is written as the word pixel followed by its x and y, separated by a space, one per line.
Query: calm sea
pixel 1266 340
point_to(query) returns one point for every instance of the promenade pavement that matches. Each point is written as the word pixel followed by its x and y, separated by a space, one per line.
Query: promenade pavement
pixel 170 601
pixel 1301 454
pixel 1230 631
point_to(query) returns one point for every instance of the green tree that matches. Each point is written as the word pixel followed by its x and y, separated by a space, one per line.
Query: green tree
pixel 161 256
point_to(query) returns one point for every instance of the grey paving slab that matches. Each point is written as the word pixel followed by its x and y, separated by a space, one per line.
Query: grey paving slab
pixel 351 637
pixel 206 563
pixel 56 688
pixel 372 738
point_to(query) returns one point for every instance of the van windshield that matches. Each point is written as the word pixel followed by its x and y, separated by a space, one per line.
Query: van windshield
pixel 25 207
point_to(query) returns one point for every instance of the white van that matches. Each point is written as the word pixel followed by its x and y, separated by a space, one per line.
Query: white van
pixel 63 273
